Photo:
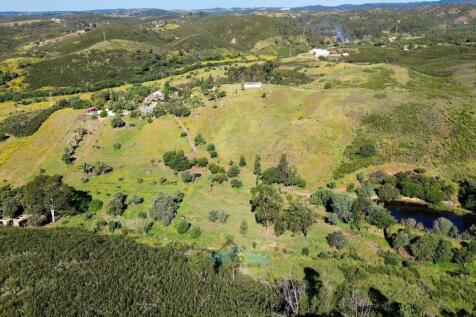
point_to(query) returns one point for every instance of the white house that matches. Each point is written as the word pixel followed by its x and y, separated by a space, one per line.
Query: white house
pixel 253 85
pixel 155 97
pixel 318 52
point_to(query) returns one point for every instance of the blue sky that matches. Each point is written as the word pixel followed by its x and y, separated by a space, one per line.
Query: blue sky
pixel 51 5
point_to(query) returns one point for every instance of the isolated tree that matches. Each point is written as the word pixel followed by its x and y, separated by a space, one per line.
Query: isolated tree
pixel 49 194
pixel 266 203
pixel 242 161
pixel 298 217
pixel 117 204
pixel 257 166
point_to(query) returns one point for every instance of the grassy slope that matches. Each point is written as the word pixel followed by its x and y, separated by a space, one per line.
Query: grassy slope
pixel 312 124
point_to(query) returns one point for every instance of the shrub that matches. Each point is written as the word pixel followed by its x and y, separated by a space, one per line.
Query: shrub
pixel 219 178
pixel 103 113
pixel 337 240
pixel 215 169
pixel 188 177
pixel 327 85
pixel 430 248
pixel 467 193
pixel 233 171
pixel 236 183
pixel 367 150
pixel 366 189
pixel 390 258
pixel 388 192
pixel 200 162
pixel 117 122
pixel 443 226
pixel 199 140
pixel 164 207
pixel 136 200
pixel 322 197
pixel 379 216
pixel 216 215
pixel 117 146
pixel 3 136
pixel 95 205
pixel 341 204
pixel 332 219
pixel 177 161
pixel 98 168
pixel 242 161
pixel 117 204
pixel 400 240
pixel 195 232
pixel 443 252
pixel 213 216
pixel 113 226
pixel 183 226
pixel 305 251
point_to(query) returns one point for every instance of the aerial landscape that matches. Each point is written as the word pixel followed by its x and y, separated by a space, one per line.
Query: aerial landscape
pixel 298 160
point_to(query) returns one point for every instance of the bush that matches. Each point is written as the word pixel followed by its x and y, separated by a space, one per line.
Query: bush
pixel 305 251
pixel 188 177
pixel 183 226
pixel 117 146
pixel 98 168
pixel 165 206
pixel 3 136
pixel 380 217
pixel 337 240
pixel 113 226
pixel 388 192
pixel 117 205
pixel 103 113
pixel 199 140
pixel 234 171
pixel 117 122
pixel 216 215
pixel 195 232
pixel 242 161
pixel 444 226
pixel 322 197
pixel 327 86
pixel 200 162
pixel 390 258
pixel 341 204
pixel 177 161
pixel 219 178
pixel 236 183
pixel 430 248
pixel 136 200
pixel 332 219
pixel 467 193
pixel 367 150
pixel 95 205
pixel 400 240
pixel 215 169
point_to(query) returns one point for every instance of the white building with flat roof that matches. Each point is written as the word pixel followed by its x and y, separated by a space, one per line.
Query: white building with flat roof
pixel 318 52
pixel 253 85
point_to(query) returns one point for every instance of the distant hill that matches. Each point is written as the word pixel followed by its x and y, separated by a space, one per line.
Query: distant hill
pixel 223 11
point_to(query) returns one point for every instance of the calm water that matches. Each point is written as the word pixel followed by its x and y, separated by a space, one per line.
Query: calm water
pixel 427 215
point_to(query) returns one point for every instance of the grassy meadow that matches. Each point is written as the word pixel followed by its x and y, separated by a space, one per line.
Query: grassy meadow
pixel 314 125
